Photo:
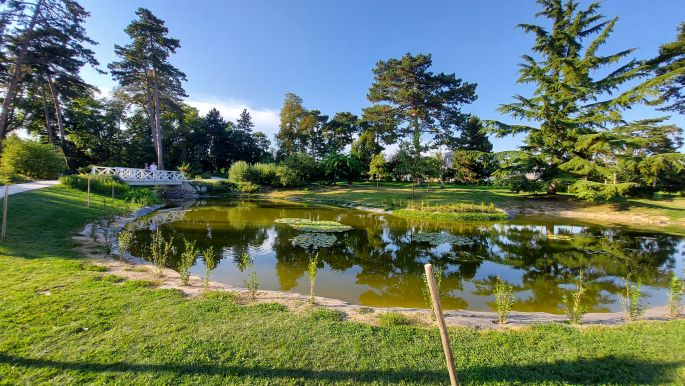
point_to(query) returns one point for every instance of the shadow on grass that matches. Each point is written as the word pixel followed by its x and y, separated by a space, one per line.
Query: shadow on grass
pixel 584 371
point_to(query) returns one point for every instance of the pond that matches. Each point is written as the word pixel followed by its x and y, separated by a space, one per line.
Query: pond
pixel 379 261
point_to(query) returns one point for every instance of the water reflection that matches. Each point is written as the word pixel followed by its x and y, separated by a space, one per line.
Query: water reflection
pixel 376 263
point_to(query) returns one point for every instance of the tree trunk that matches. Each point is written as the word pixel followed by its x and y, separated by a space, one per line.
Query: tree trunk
pixel 58 115
pixel 151 118
pixel 552 188
pixel 377 182
pixel 16 74
pixel 158 126
pixel 46 108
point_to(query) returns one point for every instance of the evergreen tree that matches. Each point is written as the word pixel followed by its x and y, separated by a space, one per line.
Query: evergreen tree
pixel 144 71
pixel 473 138
pixel 671 60
pixel 571 97
pixel 244 123
pixel 290 137
pixel 420 102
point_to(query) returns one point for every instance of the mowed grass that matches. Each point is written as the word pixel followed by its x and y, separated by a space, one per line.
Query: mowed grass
pixel 671 208
pixel 62 321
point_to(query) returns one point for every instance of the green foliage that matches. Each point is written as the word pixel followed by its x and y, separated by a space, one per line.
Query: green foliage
pixel 575 310
pixel 425 289
pixel 670 64
pixel 211 261
pixel 597 192
pixel 243 261
pixel 342 167
pixel 391 319
pixel 377 167
pixel 29 159
pixel 239 172
pixel 451 212
pixel 504 300
pixel 631 299
pixel 160 251
pixel 312 270
pixel 104 185
pixel 314 240
pixel 675 297
pixel 252 285
pixel 264 174
pixel 125 241
pixel 187 260
pixel 326 314
pixel 287 176
pixel 306 225
pixel 141 196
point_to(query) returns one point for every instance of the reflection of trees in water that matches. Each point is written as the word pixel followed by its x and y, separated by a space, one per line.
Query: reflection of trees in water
pixel 391 264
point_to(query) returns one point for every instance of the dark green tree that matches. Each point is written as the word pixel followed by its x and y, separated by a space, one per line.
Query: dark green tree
pixel 671 60
pixel 144 71
pixel 244 122
pixel 473 137
pixel 290 137
pixel 575 92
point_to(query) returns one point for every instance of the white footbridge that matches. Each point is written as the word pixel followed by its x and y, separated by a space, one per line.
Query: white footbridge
pixel 133 176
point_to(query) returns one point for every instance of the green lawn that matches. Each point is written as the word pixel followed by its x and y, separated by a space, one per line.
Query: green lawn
pixel 661 213
pixel 64 322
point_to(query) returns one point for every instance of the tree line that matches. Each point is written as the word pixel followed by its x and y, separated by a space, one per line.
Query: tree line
pixel 575 135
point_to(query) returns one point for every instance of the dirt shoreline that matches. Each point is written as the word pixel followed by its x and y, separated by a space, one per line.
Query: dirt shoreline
pixel 133 268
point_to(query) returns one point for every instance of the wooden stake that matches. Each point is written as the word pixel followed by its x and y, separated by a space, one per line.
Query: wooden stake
pixel 89 191
pixel 112 192
pixel 4 211
pixel 435 297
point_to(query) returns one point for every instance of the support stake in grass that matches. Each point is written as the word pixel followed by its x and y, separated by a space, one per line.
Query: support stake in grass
pixel 4 211
pixel 435 296
pixel 88 191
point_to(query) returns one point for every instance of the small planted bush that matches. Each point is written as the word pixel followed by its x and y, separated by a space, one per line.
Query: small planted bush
pixel 160 251
pixel 437 276
pixel 125 241
pixel 323 313
pixel 575 310
pixel 187 259
pixel 252 285
pixel 631 300
pixel 390 319
pixel 312 270
pixel 504 299
pixel 210 262
pixel 675 297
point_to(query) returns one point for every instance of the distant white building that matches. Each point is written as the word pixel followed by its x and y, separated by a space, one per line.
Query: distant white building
pixel 448 157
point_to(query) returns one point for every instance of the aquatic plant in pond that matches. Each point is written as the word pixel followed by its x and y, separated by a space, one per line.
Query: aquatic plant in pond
pixel 675 297
pixel 305 225
pixel 504 299
pixel 210 262
pixel 187 259
pixel 312 270
pixel 575 310
pixel 437 238
pixel 631 299
pixel 314 240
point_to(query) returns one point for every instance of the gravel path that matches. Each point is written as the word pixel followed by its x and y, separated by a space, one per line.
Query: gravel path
pixel 25 187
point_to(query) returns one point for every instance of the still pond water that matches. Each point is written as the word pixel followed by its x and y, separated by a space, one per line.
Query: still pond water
pixel 379 262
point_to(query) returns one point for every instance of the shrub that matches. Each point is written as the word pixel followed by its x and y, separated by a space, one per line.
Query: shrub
pixel 187 260
pixel 141 196
pixel 264 174
pixel 125 241
pixel 104 185
pixel 389 319
pixel 504 299
pixel 312 270
pixel 160 250
pixel 597 191
pixel 238 173
pixel 630 299
pixel 520 183
pixel 574 309
pixel 675 296
pixel 252 285
pixel 248 187
pixel 306 167
pixel 287 176
pixel 30 159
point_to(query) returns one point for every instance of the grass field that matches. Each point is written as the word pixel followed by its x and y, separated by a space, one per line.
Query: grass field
pixel 63 321
pixel 662 213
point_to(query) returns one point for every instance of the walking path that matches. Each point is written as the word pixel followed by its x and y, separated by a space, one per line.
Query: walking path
pixel 25 187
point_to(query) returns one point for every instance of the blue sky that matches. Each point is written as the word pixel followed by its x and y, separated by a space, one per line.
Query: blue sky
pixel 248 54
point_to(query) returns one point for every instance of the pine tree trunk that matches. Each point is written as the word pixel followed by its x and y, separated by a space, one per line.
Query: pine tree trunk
pixel 58 115
pixel 46 108
pixel 158 126
pixel 16 74
pixel 151 118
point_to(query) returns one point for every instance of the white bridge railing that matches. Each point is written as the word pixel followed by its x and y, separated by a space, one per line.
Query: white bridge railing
pixel 141 176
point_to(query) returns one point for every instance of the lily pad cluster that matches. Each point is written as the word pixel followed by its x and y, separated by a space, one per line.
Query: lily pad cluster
pixel 314 240
pixel 465 257
pixel 305 225
pixel 437 238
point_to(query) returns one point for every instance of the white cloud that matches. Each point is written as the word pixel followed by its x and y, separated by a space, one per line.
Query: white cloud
pixel 265 120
